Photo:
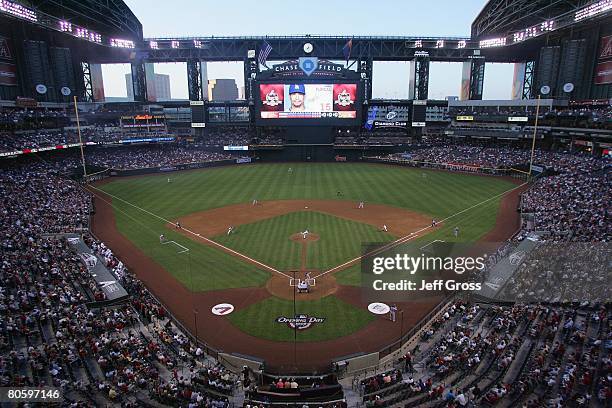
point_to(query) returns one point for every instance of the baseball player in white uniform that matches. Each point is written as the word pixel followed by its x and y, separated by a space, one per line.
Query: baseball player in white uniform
pixel 393 313
pixel 305 234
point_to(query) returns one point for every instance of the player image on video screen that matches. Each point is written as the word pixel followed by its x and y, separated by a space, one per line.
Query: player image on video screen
pixel 297 95
pixel 308 101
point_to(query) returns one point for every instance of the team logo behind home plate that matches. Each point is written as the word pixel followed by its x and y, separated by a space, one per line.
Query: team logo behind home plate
pixel 300 322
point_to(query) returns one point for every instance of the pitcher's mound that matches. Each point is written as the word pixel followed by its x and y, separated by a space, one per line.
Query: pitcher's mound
pixel 278 285
pixel 299 237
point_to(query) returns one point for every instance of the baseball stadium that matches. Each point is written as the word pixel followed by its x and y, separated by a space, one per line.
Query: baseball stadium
pixel 304 234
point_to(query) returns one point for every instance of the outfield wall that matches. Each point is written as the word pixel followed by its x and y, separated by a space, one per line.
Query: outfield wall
pixel 170 169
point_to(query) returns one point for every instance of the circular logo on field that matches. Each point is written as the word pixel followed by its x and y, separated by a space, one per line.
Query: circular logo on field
pixel 568 87
pixel 300 322
pixel 379 308
pixel 65 91
pixel 222 309
pixel 41 89
pixel 545 90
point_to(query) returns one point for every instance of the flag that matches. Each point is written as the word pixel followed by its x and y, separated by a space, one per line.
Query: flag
pixel 346 50
pixel 264 51
pixel 371 116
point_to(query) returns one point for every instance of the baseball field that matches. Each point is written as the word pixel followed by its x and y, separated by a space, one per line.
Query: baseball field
pixel 241 242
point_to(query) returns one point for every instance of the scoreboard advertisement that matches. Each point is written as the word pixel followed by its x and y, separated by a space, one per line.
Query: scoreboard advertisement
pixel 308 103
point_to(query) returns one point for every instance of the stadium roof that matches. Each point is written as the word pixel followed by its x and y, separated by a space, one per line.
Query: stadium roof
pixel 111 17
pixel 499 17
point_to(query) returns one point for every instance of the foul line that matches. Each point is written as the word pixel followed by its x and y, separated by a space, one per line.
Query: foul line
pixel 432 242
pixel 412 235
pixel 195 234
pixel 185 249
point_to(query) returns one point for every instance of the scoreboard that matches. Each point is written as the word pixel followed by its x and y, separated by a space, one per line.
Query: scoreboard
pixel 308 103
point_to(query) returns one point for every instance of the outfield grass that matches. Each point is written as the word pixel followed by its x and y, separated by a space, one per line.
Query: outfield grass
pixel 341 319
pixel 268 240
pixel 438 194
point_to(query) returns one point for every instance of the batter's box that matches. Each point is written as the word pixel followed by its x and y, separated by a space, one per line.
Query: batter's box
pixel 296 281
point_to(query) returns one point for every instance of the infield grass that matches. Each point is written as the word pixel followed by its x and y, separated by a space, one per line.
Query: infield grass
pixel 341 319
pixel 436 194
pixel 269 240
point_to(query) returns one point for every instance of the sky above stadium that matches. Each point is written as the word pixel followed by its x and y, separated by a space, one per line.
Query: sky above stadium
pixel 429 18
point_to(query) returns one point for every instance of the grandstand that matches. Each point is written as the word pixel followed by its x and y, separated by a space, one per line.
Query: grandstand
pixel 210 253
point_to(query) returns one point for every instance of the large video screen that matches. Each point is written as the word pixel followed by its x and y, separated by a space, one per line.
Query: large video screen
pixel 308 101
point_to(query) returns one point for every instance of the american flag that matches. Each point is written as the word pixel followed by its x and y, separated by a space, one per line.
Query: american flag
pixel 264 51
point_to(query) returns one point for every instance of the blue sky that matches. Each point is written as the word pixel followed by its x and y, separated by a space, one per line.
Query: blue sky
pixel 331 17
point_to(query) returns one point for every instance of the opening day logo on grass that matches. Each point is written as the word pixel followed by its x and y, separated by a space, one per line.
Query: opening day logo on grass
pixel 300 322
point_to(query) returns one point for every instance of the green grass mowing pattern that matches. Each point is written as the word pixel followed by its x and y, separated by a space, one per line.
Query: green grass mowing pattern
pixel 341 319
pixel 201 268
pixel 438 194
pixel 268 240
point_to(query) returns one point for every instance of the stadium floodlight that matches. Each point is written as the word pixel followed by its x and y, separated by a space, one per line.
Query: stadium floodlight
pixel 492 42
pixel 533 31
pixel 440 44
pixel 461 44
pixel 18 10
pixel 117 42
pixel 88 35
pixel 65 26
pixel 197 43
pixel 418 44
pixel 153 45
pixel 547 26
pixel 593 10
pixel 175 44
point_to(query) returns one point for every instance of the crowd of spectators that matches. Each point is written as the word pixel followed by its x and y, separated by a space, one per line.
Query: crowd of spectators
pixel 270 136
pixel 31 139
pixel 575 203
pixel 124 158
pixel 567 272
pixel 12 119
pixel 50 331
pixel 228 136
pixel 525 355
